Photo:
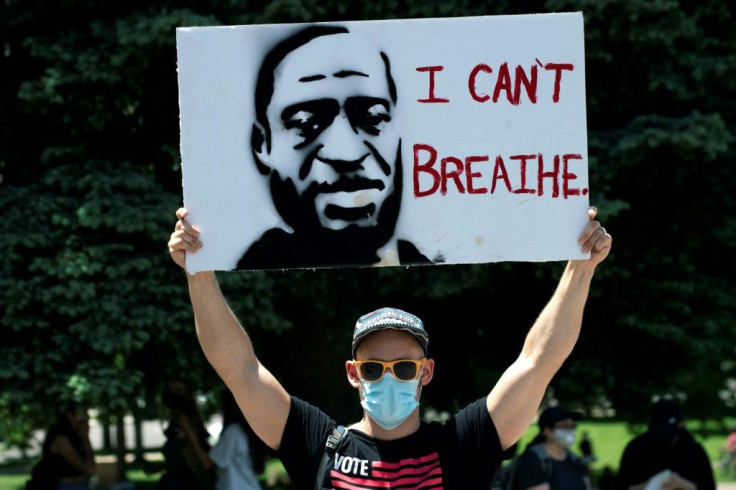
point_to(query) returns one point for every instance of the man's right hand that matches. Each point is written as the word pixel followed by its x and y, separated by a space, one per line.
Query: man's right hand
pixel 184 239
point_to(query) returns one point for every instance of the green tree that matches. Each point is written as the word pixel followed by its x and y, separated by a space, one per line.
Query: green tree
pixel 92 309
pixel 662 131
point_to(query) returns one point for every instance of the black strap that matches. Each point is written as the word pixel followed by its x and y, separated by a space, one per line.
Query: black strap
pixel 330 446
pixel 538 450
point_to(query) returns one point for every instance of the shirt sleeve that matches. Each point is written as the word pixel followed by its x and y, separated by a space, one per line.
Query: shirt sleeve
pixel 529 471
pixel 224 452
pixel 478 438
pixel 303 442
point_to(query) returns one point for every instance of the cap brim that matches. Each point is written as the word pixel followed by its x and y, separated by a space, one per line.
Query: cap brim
pixel 420 337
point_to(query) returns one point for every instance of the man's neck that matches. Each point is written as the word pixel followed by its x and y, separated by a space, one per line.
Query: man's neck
pixel 369 427
pixel 555 451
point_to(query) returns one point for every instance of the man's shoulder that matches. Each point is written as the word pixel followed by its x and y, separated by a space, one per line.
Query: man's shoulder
pixel 639 440
pixel 688 441
pixel 471 421
pixel 300 406
pixel 304 417
pixel 642 444
pixel 534 455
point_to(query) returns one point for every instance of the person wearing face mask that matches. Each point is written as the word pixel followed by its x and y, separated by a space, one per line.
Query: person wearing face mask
pixel 666 456
pixel 390 446
pixel 181 468
pixel 548 463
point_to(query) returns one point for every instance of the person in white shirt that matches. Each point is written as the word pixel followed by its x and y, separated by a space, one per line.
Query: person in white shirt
pixel 232 454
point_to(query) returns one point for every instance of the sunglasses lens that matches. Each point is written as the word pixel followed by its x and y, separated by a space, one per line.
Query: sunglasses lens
pixel 405 370
pixel 371 371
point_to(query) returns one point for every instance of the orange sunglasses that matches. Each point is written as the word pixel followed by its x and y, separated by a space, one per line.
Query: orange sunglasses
pixel 402 369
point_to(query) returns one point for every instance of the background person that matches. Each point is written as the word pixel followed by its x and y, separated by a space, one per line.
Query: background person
pixel 666 456
pixel 236 456
pixel 182 469
pixel 586 448
pixel 67 460
pixel 548 463
pixel 729 452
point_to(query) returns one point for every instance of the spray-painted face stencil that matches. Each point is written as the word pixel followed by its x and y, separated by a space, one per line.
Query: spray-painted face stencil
pixel 330 126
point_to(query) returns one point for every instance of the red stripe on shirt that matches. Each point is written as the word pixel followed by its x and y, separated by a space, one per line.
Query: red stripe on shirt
pixel 432 479
pixel 343 481
pixel 406 472
pixel 406 462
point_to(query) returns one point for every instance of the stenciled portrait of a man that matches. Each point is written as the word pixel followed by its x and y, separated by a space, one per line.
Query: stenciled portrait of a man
pixel 324 137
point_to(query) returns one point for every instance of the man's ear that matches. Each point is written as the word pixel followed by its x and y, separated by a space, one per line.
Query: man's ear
pixel 427 372
pixel 259 145
pixel 352 373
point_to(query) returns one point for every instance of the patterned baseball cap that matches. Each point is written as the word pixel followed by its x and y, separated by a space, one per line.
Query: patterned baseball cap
pixel 390 318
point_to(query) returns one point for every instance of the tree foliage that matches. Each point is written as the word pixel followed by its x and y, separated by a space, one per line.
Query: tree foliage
pixel 92 308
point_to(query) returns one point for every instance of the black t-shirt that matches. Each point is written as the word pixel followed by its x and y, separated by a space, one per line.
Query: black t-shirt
pixel 646 455
pixel 566 474
pixel 461 454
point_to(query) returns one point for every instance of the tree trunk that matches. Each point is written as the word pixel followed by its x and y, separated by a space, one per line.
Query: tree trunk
pixel 106 438
pixel 120 447
pixel 138 437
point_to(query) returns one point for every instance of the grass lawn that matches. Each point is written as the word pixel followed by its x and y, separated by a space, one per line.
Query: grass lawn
pixel 13 482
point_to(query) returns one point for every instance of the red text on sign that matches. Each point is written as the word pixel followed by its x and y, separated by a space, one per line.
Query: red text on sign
pixel 431 98
pixel 554 177
pixel 485 84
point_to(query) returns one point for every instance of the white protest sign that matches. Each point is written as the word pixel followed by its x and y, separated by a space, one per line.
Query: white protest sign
pixel 393 142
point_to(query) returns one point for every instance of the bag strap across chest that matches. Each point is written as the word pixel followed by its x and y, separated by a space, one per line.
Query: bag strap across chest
pixel 330 447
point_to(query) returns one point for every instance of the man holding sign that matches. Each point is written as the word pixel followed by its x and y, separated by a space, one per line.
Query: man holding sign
pixel 390 447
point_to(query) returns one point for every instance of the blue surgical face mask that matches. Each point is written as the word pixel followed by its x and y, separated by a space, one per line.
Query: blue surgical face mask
pixel 389 402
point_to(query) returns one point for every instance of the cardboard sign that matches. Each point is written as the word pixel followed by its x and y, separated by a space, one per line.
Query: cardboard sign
pixel 394 142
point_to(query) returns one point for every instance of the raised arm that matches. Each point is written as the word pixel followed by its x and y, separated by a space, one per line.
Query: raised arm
pixel 514 400
pixel 226 344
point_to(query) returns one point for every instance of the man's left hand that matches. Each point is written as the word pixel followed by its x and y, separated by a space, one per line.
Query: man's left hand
pixel 595 239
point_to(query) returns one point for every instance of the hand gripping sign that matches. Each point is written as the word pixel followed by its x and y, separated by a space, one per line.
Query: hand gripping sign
pixel 392 142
